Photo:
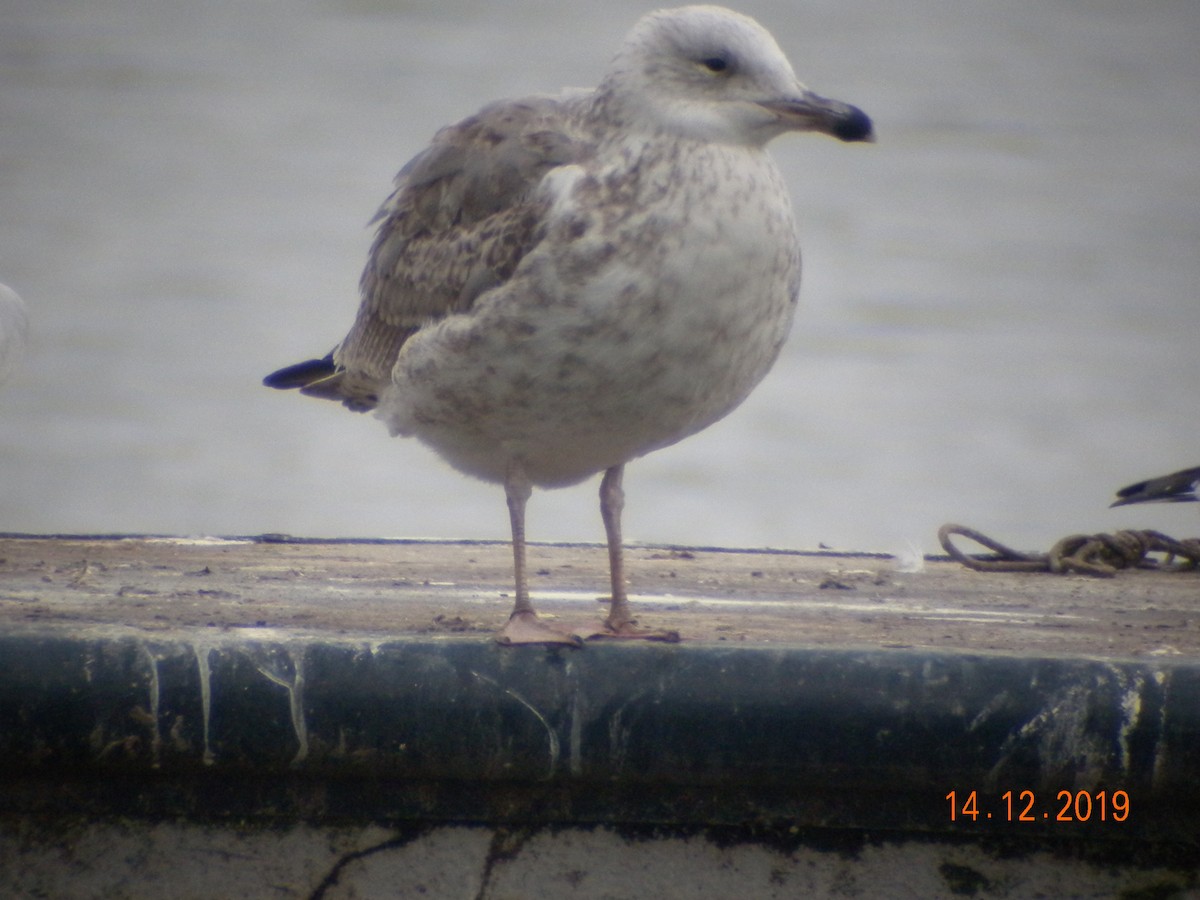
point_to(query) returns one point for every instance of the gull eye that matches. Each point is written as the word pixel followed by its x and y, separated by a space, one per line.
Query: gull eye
pixel 715 64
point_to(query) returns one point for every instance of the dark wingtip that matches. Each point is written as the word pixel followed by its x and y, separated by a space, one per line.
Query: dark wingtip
pixel 1131 494
pixel 1178 487
pixel 301 374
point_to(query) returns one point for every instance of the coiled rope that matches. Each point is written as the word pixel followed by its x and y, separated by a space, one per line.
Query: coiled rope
pixel 1101 555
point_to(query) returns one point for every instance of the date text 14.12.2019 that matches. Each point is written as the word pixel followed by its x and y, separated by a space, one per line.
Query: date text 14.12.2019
pixel 1023 806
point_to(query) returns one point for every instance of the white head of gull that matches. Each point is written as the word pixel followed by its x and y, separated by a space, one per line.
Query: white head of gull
pixel 562 284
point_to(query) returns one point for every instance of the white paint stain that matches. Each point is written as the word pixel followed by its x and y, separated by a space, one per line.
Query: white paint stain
pixel 268 666
pixel 155 695
pixel 1131 711
pixel 201 653
pixel 551 735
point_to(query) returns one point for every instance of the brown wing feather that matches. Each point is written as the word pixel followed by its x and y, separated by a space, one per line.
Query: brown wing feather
pixel 459 221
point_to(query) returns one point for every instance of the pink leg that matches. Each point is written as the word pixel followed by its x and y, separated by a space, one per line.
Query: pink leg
pixel 620 622
pixel 524 626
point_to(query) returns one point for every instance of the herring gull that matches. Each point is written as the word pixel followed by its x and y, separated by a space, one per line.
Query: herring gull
pixel 561 284
pixel 1178 487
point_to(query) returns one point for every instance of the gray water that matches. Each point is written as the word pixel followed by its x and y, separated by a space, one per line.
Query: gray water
pixel 1000 314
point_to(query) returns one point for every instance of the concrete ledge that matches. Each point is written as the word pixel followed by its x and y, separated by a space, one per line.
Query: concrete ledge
pixel 457 729
pixel 779 744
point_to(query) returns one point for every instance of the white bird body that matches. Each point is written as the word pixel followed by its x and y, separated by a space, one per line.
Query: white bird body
pixel 625 350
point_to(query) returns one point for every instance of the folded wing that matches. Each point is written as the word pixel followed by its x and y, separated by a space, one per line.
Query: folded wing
pixel 462 216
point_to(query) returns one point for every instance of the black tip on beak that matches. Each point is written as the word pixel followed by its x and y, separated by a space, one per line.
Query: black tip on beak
pixel 854 125
pixel 811 112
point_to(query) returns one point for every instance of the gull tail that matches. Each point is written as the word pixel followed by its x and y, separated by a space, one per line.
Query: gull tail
pixel 301 375
pixel 322 378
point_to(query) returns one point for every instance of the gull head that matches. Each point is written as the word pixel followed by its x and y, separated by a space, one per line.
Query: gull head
pixel 712 74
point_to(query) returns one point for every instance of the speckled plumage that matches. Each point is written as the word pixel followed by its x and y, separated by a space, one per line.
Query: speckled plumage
pixel 562 284
pixel 612 337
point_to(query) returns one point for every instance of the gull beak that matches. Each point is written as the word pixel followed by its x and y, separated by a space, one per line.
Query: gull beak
pixel 811 112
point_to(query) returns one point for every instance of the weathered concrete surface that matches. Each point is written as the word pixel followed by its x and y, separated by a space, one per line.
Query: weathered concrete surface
pixel 204 718
pixel 190 862
pixel 391 589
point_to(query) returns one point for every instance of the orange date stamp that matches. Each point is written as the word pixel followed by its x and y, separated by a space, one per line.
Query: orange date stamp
pixel 1026 806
